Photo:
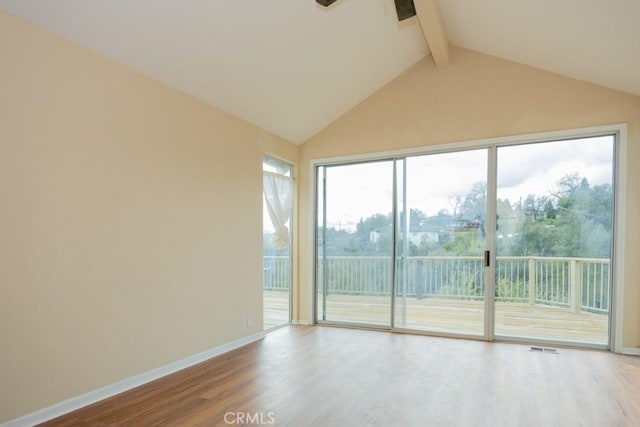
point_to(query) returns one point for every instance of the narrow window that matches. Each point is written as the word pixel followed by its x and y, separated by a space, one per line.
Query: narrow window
pixel 277 207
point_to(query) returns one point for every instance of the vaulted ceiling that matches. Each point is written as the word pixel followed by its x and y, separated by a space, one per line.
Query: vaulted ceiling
pixel 292 67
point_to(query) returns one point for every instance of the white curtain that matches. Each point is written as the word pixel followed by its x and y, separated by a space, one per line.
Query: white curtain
pixel 278 193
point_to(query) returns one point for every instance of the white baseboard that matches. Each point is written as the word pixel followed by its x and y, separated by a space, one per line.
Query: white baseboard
pixel 126 384
pixel 301 322
pixel 631 351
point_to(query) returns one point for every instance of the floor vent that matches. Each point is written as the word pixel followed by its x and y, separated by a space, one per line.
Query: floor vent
pixel 545 350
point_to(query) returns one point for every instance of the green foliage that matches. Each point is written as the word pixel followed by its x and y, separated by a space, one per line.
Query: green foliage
pixel 511 290
pixel 574 220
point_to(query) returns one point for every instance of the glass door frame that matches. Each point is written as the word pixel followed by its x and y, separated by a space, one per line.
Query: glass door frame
pixel 402 254
pixel 618 131
pixel 315 226
pixel 616 272
pixel 316 166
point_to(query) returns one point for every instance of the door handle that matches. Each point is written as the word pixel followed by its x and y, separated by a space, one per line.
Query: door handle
pixel 487 258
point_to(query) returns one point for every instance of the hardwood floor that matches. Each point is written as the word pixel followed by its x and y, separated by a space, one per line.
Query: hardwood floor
pixel 324 376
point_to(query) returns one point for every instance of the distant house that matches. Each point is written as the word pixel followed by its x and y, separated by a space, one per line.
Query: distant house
pixel 418 237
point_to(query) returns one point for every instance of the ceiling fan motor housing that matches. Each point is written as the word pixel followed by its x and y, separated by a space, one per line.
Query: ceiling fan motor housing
pixel 325 2
pixel 405 8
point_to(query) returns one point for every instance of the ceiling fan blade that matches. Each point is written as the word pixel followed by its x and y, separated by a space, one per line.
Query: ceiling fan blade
pixel 325 3
pixel 405 8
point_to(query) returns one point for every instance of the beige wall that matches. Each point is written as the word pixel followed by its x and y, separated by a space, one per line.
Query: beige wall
pixel 478 97
pixel 130 222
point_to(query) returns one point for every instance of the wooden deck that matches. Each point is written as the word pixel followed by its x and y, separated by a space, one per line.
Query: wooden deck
pixel 276 309
pixel 539 322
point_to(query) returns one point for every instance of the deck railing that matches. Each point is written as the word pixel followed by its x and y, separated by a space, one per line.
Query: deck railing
pixel 580 284
pixel 277 273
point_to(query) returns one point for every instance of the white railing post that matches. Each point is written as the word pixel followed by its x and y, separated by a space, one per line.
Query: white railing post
pixel 575 286
pixel 532 281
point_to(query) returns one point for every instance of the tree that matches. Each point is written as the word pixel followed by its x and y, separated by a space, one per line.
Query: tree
pixel 474 204
pixel 417 220
pixel 572 220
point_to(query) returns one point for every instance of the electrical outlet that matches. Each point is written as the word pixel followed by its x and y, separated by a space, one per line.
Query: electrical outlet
pixel 249 321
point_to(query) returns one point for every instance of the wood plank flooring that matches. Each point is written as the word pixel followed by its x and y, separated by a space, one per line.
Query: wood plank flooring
pixel 323 376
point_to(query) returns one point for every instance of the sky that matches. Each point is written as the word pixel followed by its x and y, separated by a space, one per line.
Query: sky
pixel 524 170
pixel 434 181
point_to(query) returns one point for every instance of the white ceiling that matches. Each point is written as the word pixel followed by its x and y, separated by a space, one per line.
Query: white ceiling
pixel 593 40
pixel 292 67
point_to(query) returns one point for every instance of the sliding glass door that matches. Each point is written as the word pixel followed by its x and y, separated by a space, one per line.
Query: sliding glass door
pixel 355 243
pixel 440 284
pixel 400 243
pixel 554 240
pixel 507 241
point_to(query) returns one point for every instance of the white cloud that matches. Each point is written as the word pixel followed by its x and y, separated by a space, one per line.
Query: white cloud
pixel 360 190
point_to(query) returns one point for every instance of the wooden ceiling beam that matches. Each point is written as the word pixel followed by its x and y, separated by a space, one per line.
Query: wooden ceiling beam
pixel 430 19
